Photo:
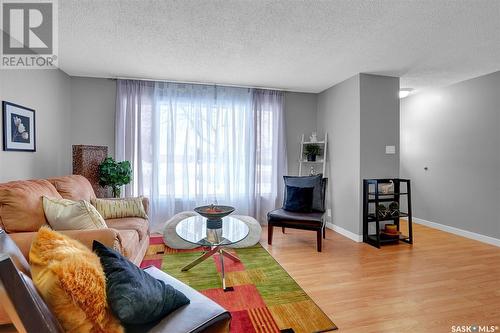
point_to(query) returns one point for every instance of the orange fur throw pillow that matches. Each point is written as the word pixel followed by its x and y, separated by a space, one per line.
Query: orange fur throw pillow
pixel 71 280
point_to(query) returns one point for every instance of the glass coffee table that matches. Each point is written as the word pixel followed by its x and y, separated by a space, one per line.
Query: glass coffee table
pixel 194 230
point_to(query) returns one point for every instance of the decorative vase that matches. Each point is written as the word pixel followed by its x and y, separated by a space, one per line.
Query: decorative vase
pixel 311 158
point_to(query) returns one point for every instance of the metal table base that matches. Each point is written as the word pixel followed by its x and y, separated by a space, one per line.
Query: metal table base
pixel 208 254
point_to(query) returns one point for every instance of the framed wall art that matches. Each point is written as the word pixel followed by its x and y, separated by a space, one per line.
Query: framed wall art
pixel 18 127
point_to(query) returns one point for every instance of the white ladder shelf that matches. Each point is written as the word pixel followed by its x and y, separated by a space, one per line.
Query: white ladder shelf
pixel 303 162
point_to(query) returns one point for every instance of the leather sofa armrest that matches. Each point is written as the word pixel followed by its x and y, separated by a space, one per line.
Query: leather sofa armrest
pixel 109 237
pixel 23 241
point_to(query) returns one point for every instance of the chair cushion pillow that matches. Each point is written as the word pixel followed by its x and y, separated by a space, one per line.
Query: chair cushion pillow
pixel 135 296
pixel 71 281
pixel 65 214
pixel 316 181
pixel 119 208
pixel 280 214
pixel 298 199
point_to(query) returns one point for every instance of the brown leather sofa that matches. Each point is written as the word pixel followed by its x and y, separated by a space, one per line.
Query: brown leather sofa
pixel 31 314
pixel 21 215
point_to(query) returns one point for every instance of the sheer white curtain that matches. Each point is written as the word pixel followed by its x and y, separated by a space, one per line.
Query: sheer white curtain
pixel 191 145
pixel 269 150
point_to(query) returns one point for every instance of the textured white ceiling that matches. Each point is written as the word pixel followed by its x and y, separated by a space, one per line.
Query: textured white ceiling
pixel 294 45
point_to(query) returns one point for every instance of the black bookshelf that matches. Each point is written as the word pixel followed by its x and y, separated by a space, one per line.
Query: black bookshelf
pixel 372 197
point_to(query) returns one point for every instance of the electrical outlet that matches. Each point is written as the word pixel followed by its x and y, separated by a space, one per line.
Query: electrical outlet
pixel 329 212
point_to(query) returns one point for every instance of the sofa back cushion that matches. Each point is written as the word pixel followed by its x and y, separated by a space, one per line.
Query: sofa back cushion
pixel 73 187
pixel 21 207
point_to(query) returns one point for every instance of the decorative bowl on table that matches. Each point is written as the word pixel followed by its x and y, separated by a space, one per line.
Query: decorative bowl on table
pixel 214 214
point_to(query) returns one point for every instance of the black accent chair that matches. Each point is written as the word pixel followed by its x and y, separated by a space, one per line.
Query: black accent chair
pixel 305 221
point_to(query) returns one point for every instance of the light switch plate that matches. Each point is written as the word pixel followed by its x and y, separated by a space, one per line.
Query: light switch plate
pixel 390 150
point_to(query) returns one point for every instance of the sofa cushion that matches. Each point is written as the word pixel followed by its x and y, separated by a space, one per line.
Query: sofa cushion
pixel 71 281
pixel 130 242
pixel 65 214
pixel 73 187
pixel 21 207
pixel 284 215
pixel 120 207
pixel 130 223
pixel 135 296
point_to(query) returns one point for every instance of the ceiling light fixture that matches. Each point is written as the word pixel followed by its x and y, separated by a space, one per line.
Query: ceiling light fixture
pixel 405 92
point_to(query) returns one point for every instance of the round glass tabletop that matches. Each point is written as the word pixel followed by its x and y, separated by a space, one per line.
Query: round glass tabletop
pixel 194 230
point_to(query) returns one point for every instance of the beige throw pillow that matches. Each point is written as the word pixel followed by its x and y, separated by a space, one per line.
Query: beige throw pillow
pixel 65 214
pixel 119 208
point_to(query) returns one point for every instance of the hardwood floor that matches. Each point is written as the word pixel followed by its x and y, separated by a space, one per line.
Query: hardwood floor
pixel 439 281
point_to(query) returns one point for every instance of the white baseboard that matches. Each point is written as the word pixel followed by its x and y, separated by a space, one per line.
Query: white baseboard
pixel 345 232
pixel 459 232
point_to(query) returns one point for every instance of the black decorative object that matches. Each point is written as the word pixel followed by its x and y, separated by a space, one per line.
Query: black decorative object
pixel 214 212
pixel 380 207
pixel 394 208
pixel 19 130
pixel 135 297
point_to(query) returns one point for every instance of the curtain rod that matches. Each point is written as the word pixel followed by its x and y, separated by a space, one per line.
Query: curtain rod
pixel 195 82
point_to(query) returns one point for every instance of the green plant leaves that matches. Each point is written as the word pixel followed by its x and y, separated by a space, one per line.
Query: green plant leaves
pixel 312 149
pixel 112 173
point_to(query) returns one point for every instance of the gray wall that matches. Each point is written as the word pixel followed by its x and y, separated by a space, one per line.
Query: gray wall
pixel 455 132
pixel 379 107
pixel 361 116
pixel 339 115
pixel 300 118
pixel 93 112
pixel 48 93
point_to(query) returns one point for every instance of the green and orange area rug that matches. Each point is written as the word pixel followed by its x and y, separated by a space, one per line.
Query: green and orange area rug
pixel 263 297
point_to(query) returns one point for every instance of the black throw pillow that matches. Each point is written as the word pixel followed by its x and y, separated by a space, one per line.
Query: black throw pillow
pixel 299 199
pixel 316 181
pixel 134 296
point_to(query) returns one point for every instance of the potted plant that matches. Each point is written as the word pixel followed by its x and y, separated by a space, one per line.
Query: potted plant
pixel 311 151
pixel 394 208
pixel 114 174
pixel 382 211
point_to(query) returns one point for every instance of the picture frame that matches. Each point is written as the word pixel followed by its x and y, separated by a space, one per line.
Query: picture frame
pixel 19 127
